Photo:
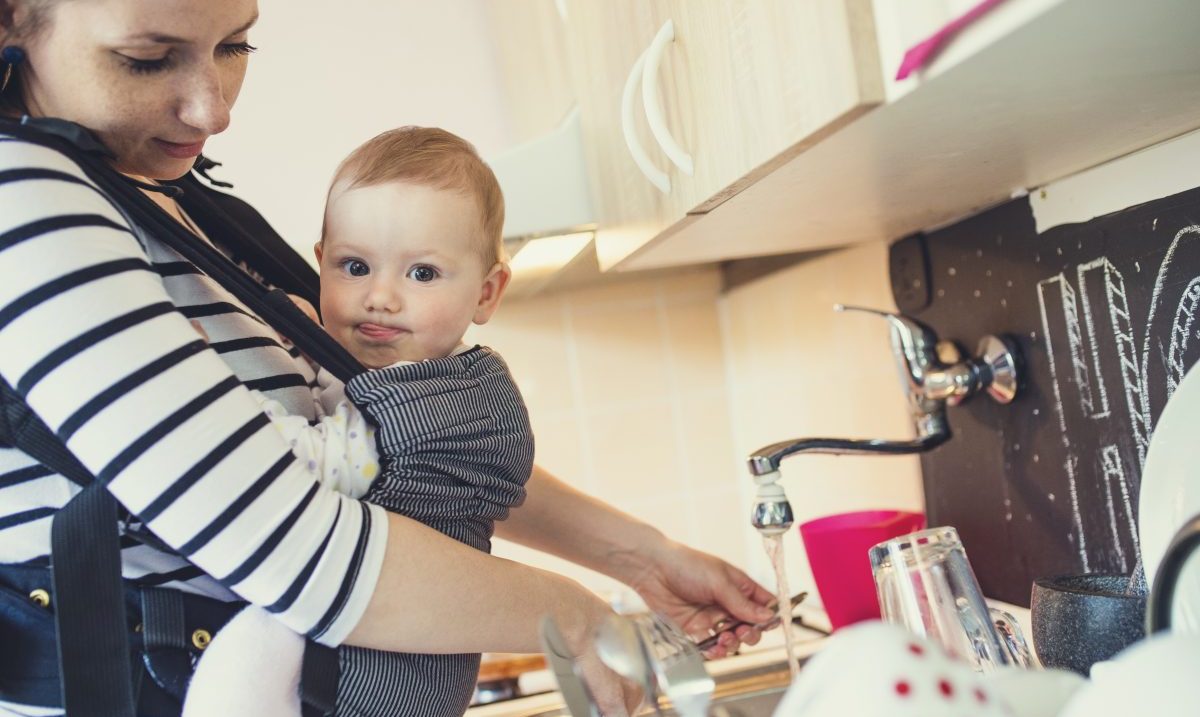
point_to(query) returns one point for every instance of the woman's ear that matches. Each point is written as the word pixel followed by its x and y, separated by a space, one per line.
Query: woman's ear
pixel 493 288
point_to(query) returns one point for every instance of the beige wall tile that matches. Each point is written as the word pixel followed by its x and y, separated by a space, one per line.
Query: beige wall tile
pixel 620 356
pixel 634 453
pixel 562 447
pixel 722 524
pixel 693 339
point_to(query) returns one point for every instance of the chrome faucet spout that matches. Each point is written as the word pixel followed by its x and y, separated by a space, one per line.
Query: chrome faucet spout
pixel 767 459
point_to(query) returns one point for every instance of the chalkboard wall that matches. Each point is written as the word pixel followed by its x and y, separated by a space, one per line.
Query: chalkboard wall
pixel 1105 313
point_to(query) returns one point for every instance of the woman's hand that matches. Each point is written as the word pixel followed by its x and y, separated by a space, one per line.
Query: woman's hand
pixel 700 592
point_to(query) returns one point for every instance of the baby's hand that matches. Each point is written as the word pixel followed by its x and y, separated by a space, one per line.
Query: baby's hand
pixel 306 307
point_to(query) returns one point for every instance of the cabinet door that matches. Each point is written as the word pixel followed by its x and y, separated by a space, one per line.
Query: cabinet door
pixel 604 41
pixel 760 80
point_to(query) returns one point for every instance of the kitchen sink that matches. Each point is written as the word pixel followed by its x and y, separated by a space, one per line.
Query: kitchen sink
pixel 754 692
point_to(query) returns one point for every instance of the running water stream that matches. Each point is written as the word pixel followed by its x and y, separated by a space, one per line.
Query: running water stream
pixel 774 546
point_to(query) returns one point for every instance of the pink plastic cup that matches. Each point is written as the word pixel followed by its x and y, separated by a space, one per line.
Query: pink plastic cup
pixel 837 547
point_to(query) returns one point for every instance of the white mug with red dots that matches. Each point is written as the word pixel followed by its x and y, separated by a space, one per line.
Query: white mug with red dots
pixel 874 669
pixel 925 584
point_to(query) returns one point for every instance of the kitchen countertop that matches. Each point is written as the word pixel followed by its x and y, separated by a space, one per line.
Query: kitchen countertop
pixel 542 691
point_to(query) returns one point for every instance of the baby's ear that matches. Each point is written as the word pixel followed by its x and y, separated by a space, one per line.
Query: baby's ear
pixel 491 292
pixel 317 249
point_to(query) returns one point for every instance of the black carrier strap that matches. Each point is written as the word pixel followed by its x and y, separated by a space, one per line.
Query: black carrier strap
pixel 89 613
pixel 92 637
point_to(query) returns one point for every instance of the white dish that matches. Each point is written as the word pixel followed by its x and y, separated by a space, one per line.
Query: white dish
pixel 1170 494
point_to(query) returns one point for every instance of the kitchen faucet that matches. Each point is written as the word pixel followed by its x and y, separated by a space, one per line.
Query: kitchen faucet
pixel 930 386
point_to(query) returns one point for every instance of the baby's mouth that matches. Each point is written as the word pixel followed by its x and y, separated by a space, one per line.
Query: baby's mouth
pixel 375 332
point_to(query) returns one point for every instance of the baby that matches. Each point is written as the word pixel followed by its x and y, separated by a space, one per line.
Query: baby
pixel 410 256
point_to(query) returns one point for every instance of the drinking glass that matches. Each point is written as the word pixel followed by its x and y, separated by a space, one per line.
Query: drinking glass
pixel 925 584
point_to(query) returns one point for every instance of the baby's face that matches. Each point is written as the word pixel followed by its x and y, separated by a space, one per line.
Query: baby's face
pixel 402 276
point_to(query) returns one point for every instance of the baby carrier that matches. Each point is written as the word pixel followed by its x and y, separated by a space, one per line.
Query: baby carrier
pixel 101 636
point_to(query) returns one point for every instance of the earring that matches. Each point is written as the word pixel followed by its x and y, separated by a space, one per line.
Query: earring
pixel 11 56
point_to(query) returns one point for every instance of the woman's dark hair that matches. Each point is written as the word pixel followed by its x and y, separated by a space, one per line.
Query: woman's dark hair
pixel 12 100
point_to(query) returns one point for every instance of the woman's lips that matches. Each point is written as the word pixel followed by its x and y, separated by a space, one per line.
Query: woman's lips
pixel 375 332
pixel 180 151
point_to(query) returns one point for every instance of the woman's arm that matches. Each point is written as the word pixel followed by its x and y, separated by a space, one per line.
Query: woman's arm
pixel 697 590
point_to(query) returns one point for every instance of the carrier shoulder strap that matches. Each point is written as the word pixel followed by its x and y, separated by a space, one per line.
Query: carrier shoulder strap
pixel 248 235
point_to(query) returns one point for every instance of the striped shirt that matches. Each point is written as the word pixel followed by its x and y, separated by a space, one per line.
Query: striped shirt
pixel 95 333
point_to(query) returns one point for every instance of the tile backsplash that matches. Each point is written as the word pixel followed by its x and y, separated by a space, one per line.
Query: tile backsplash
pixel 649 393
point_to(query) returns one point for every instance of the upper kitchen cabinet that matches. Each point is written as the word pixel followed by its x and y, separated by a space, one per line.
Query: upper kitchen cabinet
pixel 531 59
pixel 1032 92
pixel 684 103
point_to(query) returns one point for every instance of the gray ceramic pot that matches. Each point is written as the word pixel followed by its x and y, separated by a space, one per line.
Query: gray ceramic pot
pixel 1079 620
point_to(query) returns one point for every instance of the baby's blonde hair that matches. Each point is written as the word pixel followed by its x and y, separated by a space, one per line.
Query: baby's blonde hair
pixel 435 158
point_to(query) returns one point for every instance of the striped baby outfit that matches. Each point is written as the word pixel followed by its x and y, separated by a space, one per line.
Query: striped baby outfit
pixel 455 449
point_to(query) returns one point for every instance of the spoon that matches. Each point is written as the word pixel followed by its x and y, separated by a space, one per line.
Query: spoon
pixel 621 649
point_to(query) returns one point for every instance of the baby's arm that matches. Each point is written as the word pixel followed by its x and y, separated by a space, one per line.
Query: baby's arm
pixel 341 445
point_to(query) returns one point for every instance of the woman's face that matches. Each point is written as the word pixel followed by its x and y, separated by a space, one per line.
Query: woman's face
pixel 153 78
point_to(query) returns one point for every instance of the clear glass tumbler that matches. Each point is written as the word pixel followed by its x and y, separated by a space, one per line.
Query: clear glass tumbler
pixel 925 584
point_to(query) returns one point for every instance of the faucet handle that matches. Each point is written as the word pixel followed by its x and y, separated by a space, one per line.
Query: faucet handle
pixel 913 344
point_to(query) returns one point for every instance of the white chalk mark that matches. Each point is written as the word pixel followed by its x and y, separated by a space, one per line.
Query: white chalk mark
pixel 1101 410
pixel 1069 463
pixel 1181 332
pixel 1123 483
pixel 1156 296
pixel 1075 345
pixel 1131 375
pixel 1110 460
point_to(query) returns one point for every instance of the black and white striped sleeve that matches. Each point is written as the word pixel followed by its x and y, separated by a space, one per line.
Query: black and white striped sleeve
pixel 91 339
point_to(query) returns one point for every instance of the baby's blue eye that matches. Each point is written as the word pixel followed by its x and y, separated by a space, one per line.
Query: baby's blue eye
pixel 423 273
pixel 354 267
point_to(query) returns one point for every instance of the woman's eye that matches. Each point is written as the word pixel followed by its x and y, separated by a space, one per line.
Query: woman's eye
pixel 423 273
pixel 354 267
pixel 146 67
pixel 235 49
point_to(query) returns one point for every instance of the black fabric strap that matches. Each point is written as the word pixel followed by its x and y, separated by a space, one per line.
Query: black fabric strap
pixel 89 610
pixel 318 680
pixel 162 619
pixel 21 427
pixel 244 231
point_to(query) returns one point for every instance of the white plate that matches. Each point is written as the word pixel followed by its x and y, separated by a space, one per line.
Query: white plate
pixel 1170 493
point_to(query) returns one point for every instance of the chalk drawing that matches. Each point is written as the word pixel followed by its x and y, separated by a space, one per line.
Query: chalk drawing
pixel 1075 346
pixel 1059 282
pixel 1114 476
pixel 1118 469
pixel 1080 312
pixel 1099 265
pixel 1187 233
pixel 1181 332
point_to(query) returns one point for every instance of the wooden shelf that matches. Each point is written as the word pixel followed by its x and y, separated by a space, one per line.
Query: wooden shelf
pixel 1079 84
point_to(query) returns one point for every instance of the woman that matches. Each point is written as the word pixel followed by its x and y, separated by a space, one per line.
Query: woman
pixel 97 337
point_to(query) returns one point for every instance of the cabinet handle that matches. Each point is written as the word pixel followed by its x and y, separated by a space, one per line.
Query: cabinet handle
pixel 654 111
pixel 656 176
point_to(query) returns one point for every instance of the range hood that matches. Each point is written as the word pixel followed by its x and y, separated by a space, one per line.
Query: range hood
pixel 545 184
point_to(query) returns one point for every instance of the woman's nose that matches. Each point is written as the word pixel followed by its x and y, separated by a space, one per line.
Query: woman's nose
pixel 204 105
